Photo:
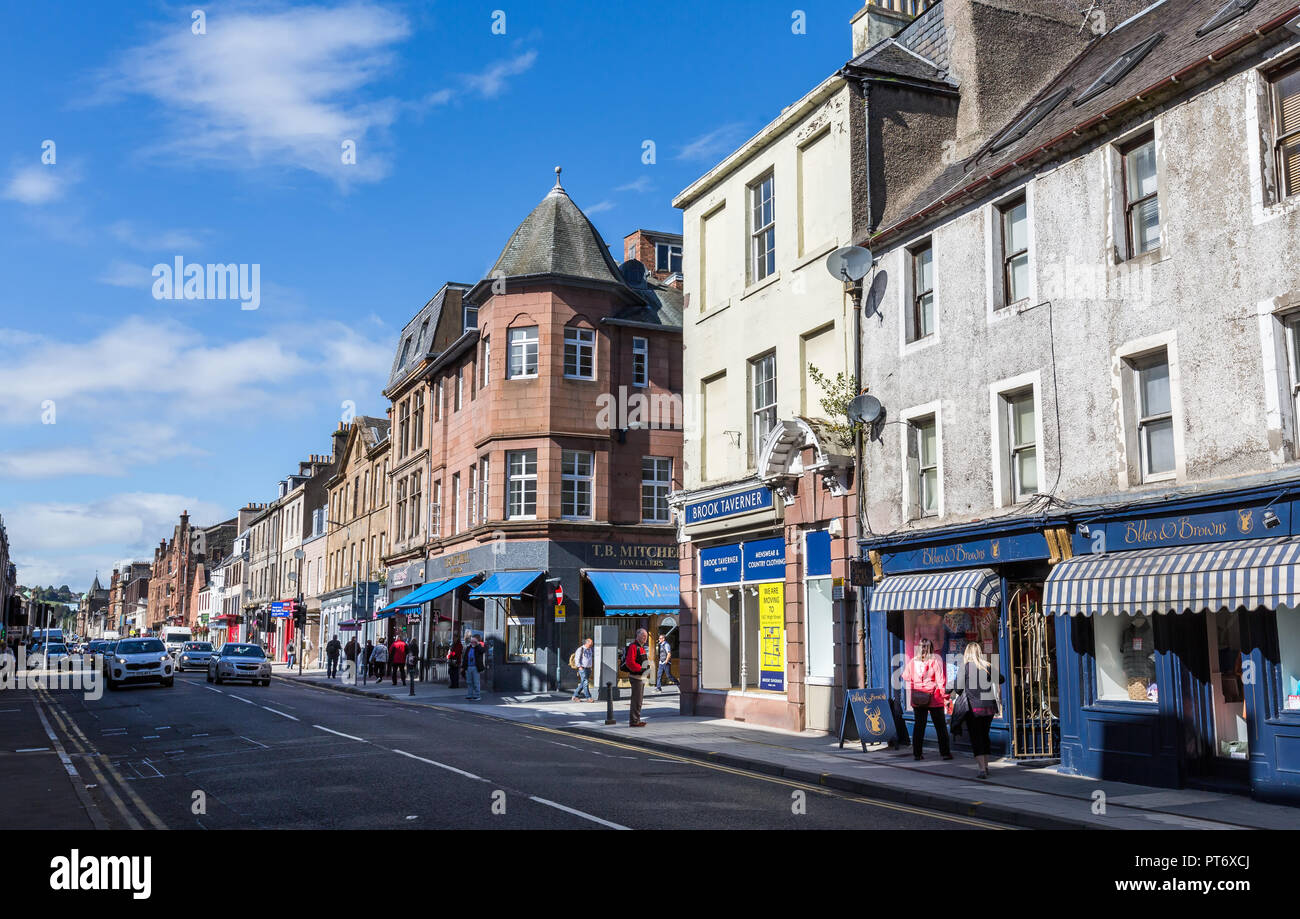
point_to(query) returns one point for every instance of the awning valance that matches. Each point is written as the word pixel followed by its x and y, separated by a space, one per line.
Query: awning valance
pixel 1249 573
pixel 505 584
pixel 637 593
pixel 974 588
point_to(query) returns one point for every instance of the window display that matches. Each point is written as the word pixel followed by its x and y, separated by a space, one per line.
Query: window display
pixel 1288 645
pixel 736 649
pixel 521 638
pixel 949 631
pixel 1126 658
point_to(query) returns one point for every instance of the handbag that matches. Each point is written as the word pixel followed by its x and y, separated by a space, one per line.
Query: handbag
pixel 921 699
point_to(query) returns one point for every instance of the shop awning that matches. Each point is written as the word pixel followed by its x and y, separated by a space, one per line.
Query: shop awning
pixel 637 593
pixel 505 584
pixel 1200 578
pixel 423 595
pixel 974 588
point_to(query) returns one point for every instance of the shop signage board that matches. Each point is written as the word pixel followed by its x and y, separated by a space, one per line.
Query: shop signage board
pixel 973 553
pixel 765 559
pixel 1157 531
pixel 740 502
pixel 872 714
pixel 771 637
pixel 720 565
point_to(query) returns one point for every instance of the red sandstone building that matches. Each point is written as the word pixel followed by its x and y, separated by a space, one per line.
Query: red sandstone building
pixel 537 433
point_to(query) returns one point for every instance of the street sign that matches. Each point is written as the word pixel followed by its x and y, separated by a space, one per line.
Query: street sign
pixel 559 595
pixel 559 613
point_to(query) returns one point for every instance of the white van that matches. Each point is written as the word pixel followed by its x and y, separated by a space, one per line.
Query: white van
pixel 174 637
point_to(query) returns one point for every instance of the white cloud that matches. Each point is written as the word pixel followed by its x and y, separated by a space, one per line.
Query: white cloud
pixel 599 207
pixel 115 454
pixel 127 232
pixel 642 184
pixel 284 88
pixel 492 81
pixel 713 145
pixel 126 274
pixel 38 184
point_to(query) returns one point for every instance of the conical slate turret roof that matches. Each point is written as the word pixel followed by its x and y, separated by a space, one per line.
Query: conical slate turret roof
pixel 557 240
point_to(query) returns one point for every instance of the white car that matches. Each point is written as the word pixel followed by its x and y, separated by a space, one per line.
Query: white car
pixel 139 660
pixel 240 661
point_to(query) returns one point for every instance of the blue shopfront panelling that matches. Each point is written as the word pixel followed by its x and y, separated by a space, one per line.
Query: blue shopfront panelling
pixel 967 553
pixel 720 565
pixel 1154 531
pixel 819 554
pixel 764 559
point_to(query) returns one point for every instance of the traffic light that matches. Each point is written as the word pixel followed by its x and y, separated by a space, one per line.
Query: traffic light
pixel 299 616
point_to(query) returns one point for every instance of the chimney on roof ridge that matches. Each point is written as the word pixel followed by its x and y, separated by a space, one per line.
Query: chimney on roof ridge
pixel 881 19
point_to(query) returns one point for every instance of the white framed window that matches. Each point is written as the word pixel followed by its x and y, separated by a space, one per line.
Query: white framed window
pixel 762 382
pixel 523 353
pixel 435 510
pixel 668 257
pixel 1154 420
pixel 1285 87
pixel 1141 195
pixel 920 308
pixel 1013 224
pixel 579 353
pixel 485 362
pixel 762 229
pixel 470 317
pixel 417 507
pixel 923 461
pixel 455 503
pixel 656 482
pixel 640 361
pixel 471 499
pixel 460 386
pixel 484 477
pixel 1021 444
pixel 521 485
pixel 819 625
pixel 577 473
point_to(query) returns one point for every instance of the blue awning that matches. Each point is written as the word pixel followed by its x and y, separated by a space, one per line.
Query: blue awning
pixel 976 588
pixel 1246 574
pixel 504 584
pixel 637 593
pixel 422 595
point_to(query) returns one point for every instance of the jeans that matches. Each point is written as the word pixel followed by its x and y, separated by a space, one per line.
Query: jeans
pixel 472 683
pixel 584 688
pixel 940 728
pixel 665 671
pixel 333 667
pixel 979 733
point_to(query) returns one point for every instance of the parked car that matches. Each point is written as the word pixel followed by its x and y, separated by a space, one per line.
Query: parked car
pixel 240 662
pixel 194 656
pixel 138 660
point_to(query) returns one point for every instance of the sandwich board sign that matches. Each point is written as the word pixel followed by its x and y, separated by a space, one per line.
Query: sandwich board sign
pixel 869 713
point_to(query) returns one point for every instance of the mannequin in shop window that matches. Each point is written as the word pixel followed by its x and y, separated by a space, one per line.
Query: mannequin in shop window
pixel 1139 660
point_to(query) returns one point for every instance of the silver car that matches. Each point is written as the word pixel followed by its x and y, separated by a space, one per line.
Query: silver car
pixel 138 660
pixel 194 655
pixel 240 662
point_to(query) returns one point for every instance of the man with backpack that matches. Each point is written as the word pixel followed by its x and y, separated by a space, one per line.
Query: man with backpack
pixel 665 665
pixel 636 661
pixel 582 661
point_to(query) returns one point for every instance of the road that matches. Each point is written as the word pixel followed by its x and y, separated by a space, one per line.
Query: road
pixel 295 757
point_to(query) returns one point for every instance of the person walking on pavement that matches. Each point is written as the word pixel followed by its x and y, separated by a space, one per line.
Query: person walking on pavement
pixel 379 657
pixel 398 663
pixel 332 650
pixel 454 655
pixel 413 658
pixel 981 690
pixel 584 658
pixel 637 662
pixel 926 678
pixel 368 660
pixel 350 651
pixel 473 660
pixel 289 657
pixel 665 665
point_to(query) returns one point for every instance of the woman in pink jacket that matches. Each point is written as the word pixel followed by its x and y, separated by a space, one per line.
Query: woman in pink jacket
pixel 926 679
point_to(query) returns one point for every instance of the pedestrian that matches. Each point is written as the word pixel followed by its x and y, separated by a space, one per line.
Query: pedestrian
pixel 583 659
pixel 351 650
pixel 925 676
pixel 413 658
pixel 454 655
pixel 473 660
pixel 665 665
pixel 289 656
pixel 380 658
pixel 332 656
pixel 397 660
pixel 368 660
pixel 637 662
pixel 975 679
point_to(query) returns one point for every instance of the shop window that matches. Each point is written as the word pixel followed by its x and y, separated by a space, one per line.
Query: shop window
pixel 819 615
pixel 949 631
pixel 1125 656
pixel 734 654
pixel 1288 644
pixel 521 638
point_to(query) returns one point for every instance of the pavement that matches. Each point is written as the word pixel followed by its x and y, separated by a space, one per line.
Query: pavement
pixel 1016 795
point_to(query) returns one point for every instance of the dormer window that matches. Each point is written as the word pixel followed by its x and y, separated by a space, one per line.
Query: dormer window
pixel 668 258
pixel 470 317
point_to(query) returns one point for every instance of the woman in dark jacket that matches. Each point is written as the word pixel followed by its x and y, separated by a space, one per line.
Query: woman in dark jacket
pixel 453 662
pixel 975 679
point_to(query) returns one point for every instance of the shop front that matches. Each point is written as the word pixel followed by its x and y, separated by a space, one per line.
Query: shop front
pixel 970 586
pixel 1179 632
pixel 770 632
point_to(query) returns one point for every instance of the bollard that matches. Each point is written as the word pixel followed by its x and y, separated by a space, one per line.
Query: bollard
pixel 412 681
pixel 609 704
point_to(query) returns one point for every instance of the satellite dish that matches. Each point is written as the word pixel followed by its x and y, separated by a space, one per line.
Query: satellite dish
pixel 864 409
pixel 849 264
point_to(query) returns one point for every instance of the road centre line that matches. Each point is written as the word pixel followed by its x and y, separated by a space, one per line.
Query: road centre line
pixel 281 714
pixel 577 813
pixel 339 733
pixel 468 775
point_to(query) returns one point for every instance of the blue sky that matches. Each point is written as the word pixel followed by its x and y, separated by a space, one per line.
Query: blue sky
pixel 226 147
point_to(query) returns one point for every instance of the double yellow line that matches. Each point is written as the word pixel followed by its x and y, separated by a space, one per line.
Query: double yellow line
pixel 80 744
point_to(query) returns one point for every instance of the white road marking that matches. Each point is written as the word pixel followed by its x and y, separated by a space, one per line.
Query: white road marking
pixel 210 689
pixel 339 733
pixel 5 711
pixel 252 741
pixel 431 762
pixel 577 813
pixel 149 737
pixel 242 699
pixel 33 750
pixel 165 727
pixel 198 735
pixel 281 714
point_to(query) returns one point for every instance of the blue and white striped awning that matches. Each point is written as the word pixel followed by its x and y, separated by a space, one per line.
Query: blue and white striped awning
pixel 974 588
pixel 1245 574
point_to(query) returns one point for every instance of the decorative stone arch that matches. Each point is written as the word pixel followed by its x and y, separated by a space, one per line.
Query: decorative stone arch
pixel 781 463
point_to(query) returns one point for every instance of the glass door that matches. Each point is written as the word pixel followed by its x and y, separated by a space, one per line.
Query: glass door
pixel 1223 634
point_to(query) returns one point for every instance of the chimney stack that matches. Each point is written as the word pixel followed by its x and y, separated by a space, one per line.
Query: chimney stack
pixel 881 19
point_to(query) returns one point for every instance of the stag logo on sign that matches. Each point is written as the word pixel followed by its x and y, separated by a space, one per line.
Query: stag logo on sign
pixel 193 281
pixel 103 872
